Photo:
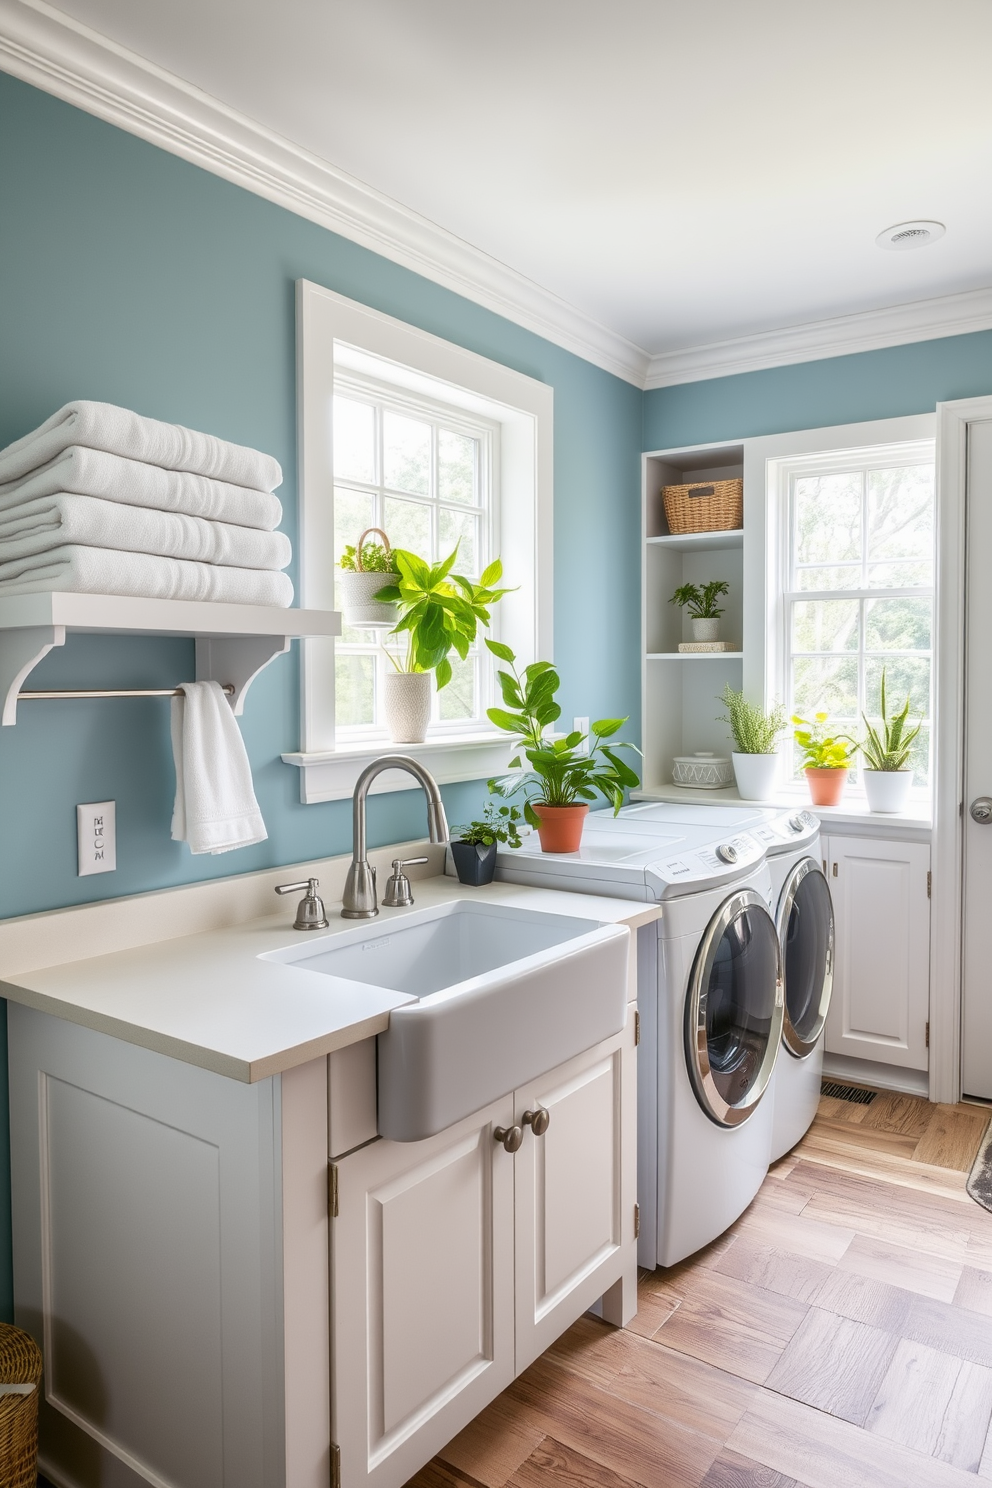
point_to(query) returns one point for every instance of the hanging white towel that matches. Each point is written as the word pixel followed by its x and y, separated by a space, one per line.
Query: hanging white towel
pixel 90 472
pixel 53 521
pixel 103 571
pixel 105 426
pixel 215 808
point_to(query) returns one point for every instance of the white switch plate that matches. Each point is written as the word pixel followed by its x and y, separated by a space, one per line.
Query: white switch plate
pixel 96 837
pixel 581 726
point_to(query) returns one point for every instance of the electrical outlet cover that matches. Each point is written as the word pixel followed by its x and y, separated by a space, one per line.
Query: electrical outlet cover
pixel 96 837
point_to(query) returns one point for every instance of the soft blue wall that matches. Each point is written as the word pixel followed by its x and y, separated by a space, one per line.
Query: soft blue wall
pixel 812 395
pixel 130 276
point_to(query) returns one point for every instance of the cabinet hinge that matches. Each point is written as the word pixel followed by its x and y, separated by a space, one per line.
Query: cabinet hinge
pixel 929 882
pixel 928 1033
pixel 637 1220
pixel 335 1465
pixel 637 1029
pixel 332 1190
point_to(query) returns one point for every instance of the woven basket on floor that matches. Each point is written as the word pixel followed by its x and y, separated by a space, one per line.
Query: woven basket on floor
pixel 20 1364
pixel 704 506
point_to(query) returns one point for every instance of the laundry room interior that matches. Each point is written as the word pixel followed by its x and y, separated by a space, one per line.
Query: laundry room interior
pixel 510 487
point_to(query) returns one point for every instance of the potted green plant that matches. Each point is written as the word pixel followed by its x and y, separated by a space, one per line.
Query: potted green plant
pixel 440 612
pixel 365 568
pixel 755 736
pixel 561 776
pixel 473 847
pixel 701 602
pixel 826 758
pixel 885 751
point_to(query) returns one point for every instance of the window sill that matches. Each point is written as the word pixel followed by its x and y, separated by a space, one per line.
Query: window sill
pixel 852 811
pixel 331 775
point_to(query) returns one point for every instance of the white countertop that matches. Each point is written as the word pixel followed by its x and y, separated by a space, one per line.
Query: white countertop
pixel 207 999
pixel 852 811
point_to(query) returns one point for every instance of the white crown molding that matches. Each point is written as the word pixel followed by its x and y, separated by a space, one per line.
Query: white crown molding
pixel 47 48
pixel 869 330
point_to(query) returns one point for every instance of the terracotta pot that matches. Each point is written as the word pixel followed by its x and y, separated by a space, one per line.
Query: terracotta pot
pixel 826 786
pixel 560 827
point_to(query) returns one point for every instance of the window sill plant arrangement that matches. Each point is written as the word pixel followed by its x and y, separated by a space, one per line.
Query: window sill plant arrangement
pixel 826 758
pixel 755 735
pixel 701 602
pixel 885 751
pixel 440 612
pixel 473 847
pixel 364 569
pixel 561 776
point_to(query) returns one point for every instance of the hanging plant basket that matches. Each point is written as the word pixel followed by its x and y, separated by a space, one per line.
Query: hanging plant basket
pixel 358 589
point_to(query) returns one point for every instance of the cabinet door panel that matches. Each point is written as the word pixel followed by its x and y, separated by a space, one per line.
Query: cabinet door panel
pixel 573 1192
pixel 422 1286
pixel 881 993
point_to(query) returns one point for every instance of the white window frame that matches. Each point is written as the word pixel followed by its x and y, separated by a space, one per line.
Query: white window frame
pixel 333 331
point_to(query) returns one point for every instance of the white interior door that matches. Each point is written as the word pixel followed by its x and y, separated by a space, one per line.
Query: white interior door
pixel 976 1042
pixel 881 997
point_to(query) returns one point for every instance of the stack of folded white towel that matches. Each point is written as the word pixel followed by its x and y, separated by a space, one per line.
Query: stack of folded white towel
pixel 102 500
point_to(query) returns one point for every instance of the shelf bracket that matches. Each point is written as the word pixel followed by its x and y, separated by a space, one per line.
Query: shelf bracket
pixel 236 659
pixel 21 649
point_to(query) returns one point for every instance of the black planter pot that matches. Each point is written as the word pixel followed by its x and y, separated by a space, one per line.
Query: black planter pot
pixel 474 865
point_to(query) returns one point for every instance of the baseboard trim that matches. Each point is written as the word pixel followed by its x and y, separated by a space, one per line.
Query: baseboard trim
pixel 878 1076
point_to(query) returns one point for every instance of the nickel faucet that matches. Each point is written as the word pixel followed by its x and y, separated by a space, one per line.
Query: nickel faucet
pixel 359 901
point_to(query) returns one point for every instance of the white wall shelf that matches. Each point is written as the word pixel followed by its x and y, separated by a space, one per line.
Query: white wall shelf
pixel 695 655
pixel 233 642
pixel 700 542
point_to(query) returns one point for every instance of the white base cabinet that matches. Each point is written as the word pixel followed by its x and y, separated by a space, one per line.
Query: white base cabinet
pixel 881 997
pixel 454 1262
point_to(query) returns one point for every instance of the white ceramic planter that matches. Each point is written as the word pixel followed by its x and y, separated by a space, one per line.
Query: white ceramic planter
pixel 359 605
pixel 705 630
pixel 756 775
pixel 408 706
pixel 887 790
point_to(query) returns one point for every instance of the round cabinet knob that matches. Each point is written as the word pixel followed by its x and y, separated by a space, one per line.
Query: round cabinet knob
pixel 510 1136
pixel 538 1120
pixel 797 823
pixel 726 853
pixel 981 810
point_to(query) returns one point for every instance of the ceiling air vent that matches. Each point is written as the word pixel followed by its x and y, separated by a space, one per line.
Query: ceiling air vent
pixel 910 235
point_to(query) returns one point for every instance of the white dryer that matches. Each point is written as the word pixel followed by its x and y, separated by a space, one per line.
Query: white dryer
pixel 711 1005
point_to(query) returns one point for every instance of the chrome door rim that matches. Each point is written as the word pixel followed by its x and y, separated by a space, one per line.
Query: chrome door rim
pixel 797 1046
pixel 697 1045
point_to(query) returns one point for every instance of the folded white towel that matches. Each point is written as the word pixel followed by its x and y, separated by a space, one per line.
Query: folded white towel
pixel 104 571
pixel 215 808
pixel 122 432
pixel 90 472
pixel 53 521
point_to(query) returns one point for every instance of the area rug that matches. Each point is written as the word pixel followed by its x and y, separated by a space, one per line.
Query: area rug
pixel 980 1178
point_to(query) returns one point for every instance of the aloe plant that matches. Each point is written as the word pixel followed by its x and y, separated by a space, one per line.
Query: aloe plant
pixel 890 749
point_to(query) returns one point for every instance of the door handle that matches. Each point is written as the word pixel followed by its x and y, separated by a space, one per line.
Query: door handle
pixel 538 1120
pixel 510 1136
pixel 981 810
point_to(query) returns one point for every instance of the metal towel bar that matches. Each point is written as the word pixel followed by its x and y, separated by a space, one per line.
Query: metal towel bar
pixel 114 692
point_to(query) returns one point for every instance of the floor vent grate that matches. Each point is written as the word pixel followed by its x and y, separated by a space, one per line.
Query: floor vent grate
pixel 847 1093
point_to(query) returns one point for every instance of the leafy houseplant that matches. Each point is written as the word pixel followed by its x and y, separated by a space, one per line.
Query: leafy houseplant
pixel 755 736
pixel 826 758
pixel 473 847
pixel 701 602
pixel 364 567
pixel 560 778
pixel 440 612
pixel 887 781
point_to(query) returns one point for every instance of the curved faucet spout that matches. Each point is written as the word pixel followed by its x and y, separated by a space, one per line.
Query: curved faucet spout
pixel 360 901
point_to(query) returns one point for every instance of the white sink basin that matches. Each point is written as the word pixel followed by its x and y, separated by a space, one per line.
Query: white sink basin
pixel 502 995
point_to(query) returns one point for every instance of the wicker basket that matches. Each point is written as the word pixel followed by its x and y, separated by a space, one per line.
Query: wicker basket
pixel 20 1364
pixel 704 506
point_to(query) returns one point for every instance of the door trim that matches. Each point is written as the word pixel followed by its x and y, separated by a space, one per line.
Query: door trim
pixel 947 844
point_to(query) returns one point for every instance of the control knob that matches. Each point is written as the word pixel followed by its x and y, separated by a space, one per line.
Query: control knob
pixel 797 822
pixel 726 853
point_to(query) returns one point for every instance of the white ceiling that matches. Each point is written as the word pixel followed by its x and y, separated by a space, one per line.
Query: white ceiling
pixel 680 171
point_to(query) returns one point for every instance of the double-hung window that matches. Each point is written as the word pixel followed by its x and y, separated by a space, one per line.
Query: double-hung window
pixel 859 588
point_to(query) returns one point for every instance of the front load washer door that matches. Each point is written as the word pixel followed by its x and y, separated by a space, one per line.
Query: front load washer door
pixel 734 1009
pixel 806 931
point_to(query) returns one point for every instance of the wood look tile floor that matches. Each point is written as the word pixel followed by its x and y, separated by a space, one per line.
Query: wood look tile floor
pixel 839 1336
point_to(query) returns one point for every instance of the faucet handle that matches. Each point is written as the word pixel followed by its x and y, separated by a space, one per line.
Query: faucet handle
pixel 310 914
pixel 398 892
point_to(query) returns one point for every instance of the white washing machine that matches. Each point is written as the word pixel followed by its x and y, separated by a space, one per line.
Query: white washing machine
pixel 711 1003
pixel 803 910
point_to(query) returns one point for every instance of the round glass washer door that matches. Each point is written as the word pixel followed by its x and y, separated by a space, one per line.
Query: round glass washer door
pixel 734 1009
pixel 806 931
